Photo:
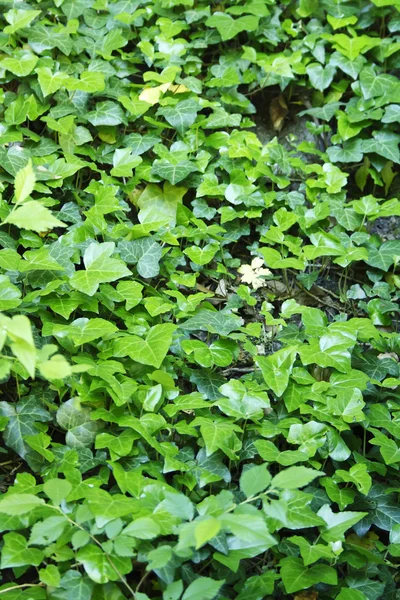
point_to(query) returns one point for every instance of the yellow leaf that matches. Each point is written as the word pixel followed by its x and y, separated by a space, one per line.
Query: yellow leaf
pixel 152 95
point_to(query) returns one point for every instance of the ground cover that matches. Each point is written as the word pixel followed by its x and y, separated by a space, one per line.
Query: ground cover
pixel 199 297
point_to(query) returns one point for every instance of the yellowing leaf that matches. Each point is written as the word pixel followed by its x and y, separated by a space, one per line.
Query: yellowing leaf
pixel 24 182
pixel 152 95
pixel 34 217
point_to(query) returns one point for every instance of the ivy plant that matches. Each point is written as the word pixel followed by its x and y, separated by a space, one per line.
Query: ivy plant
pixel 199 300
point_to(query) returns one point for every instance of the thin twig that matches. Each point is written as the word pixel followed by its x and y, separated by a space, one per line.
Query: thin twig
pixel 19 587
pixel 240 370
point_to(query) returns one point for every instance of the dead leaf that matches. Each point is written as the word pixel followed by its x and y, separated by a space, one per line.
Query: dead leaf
pixel 307 595
pixel 277 111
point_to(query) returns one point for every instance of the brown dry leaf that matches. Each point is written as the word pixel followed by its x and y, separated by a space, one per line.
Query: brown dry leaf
pixel 388 355
pixel 277 111
pixel 307 595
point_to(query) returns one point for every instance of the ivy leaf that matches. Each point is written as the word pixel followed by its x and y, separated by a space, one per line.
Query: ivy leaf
pixel 19 19
pixel 98 566
pixel 350 152
pixel 106 113
pixel 321 77
pixel 124 162
pixel 174 173
pixel 254 480
pixel 337 523
pixel 358 474
pixel 21 63
pixel 276 368
pixel 81 430
pixel 75 586
pixel 295 477
pixel 84 330
pixel 385 144
pixel 50 576
pixel 159 206
pixel 24 182
pixel 296 576
pixel 384 256
pixel 15 552
pixel 213 321
pixel 34 217
pixel 149 351
pixel 22 417
pixel 50 82
pixel 19 504
pixel 9 294
pixel 202 256
pixel 373 84
pixel 202 588
pixel 99 268
pixel 228 27
pixel 145 253
pixel 182 115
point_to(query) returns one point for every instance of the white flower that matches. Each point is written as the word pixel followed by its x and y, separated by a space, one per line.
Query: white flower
pixel 253 274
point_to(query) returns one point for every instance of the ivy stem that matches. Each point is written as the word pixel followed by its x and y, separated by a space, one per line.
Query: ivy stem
pixel 19 587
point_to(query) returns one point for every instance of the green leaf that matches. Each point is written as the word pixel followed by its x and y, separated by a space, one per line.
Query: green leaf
pixel 9 294
pixel 57 490
pixel 385 144
pixel 337 523
pixel 296 576
pixel 174 173
pixel 75 586
pixel 294 478
pixel 81 430
pixel 34 217
pixel 277 367
pixel 144 528
pixel 228 27
pixel 84 330
pixel 24 182
pixel 215 322
pixel 98 566
pixel 19 19
pixel 182 115
pixel 206 530
pixel 158 205
pixel 320 77
pixel 50 82
pixel 106 113
pixel 202 256
pixel 145 253
pixel 47 531
pixel 373 84
pixel 50 576
pixel 202 588
pixel 21 63
pixel 358 474
pixel 384 256
pixel 255 480
pixel 22 417
pixel 149 351
pixel 15 552
pixel 124 162
pixel 19 504
pixel 350 593
pixel 99 268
